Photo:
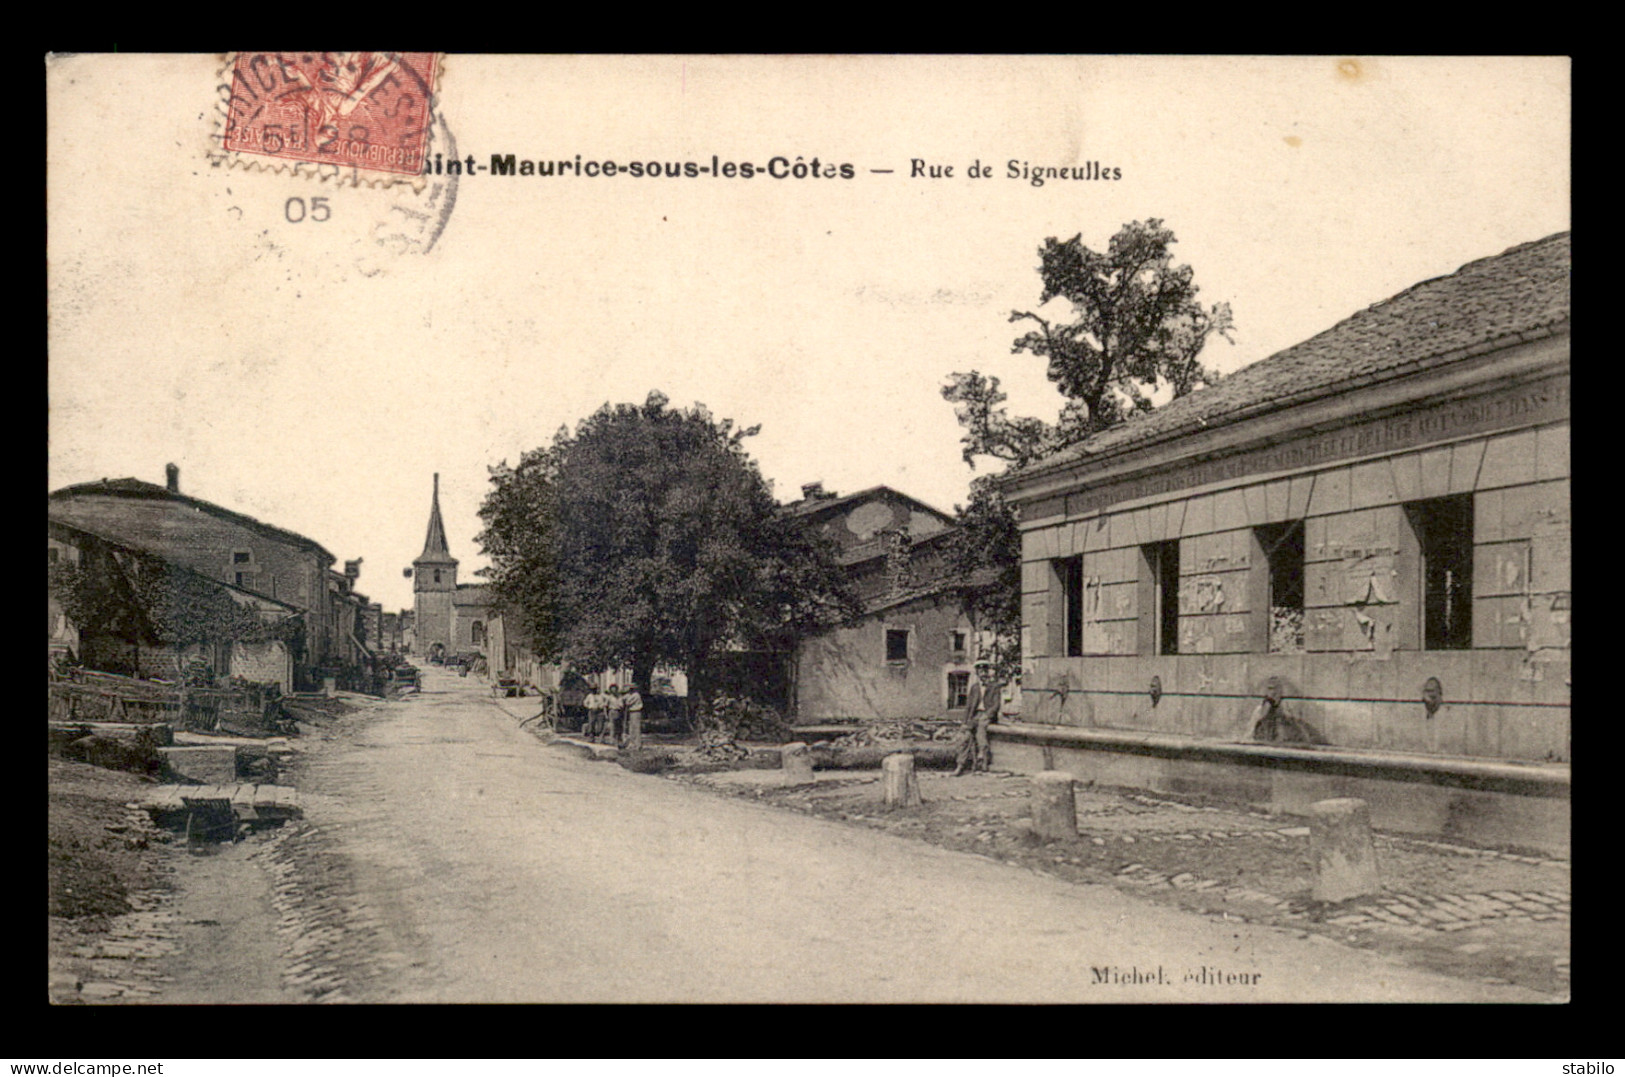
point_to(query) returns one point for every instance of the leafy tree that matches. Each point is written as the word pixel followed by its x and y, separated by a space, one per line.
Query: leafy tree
pixel 1136 331
pixel 649 537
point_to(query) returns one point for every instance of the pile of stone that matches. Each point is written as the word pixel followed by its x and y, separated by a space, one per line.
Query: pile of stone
pixel 718 746
pixel 881 734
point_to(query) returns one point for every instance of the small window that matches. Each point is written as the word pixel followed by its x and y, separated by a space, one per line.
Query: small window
pixel 1444 531
pixel 958 690
pixel 957 642
pixel 437 575
pixel 1071 572
pixel 1159 597
pixel 897 645
pixel 1283 552
pixel 242 579
pixel 54 554
pixel 242 557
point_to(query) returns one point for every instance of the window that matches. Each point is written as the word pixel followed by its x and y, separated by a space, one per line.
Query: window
pixel 897 645
pixel 956 642
pixel 54 555
pixel 242 557
pixel 1071 571
pixel 437 575
pixel 476 634
pixel 958 690
pixel 242 579
pixel 1159 598
pixel 1444 532
pixel 1282 546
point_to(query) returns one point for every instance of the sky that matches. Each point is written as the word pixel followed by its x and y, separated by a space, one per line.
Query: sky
pixel 316 373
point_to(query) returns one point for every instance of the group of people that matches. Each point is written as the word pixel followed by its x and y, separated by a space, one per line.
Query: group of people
pixel 610 713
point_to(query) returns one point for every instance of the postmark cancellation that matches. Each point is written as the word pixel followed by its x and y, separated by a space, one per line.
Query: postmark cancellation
pixel 363 117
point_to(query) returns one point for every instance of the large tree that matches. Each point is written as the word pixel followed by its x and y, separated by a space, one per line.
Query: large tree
pixel 648 537
pixel 1134 330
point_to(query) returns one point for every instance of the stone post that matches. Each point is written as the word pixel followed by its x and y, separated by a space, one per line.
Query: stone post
pixel 1340 848
pixel 796 762
pixel 897 775
pixel 1055 810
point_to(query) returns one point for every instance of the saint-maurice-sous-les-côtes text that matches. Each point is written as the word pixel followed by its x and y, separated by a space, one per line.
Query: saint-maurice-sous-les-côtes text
pixel 777 167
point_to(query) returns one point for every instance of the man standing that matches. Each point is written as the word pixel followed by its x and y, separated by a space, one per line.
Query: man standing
pixel 981 708
pixel 632 705
pixel 613 717
pixel 595 713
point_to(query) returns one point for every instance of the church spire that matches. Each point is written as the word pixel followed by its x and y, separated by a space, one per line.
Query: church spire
pixel 434 545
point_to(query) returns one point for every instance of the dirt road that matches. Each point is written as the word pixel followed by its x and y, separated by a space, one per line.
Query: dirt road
pixel 447 856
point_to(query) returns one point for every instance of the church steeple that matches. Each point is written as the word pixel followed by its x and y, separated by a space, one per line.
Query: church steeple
pixel 434 544
pixel 434 584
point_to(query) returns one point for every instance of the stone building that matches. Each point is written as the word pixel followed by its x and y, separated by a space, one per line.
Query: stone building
pixel 125 642
pixel 1343 570
pixel 448 618
pixel 911 654
pixel 252 556
pixel 434 583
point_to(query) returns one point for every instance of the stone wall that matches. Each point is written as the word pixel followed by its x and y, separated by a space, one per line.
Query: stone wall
pixel 1358 679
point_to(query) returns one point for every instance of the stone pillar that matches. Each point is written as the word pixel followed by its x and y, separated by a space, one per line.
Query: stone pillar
pixel 796 762
pixel 897 776
pixel 1055 810
pixel 1340 848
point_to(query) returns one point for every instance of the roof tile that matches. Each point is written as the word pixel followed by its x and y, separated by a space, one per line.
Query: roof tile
pixel 1520 294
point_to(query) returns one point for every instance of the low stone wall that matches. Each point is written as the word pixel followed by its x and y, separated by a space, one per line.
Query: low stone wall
pixel 1496 804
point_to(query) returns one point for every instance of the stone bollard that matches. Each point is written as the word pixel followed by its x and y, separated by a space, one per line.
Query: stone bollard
pixel 897 774
pixel 1340 848
pixel 796 762
pixel 1055 810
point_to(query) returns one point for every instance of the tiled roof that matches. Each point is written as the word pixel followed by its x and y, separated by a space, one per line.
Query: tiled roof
pixel 814 505
pixel 159 534
pixel 54 517
pixel 941 586
pixel 858 553
pixel 1522 292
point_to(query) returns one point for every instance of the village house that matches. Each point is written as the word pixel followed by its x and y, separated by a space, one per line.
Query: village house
pixel 238 550
pixel 126 642
pixel 910 656
pixel 1343 570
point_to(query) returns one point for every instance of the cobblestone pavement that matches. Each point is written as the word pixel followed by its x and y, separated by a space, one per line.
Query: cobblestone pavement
pixel 1492 915
pixel 122 963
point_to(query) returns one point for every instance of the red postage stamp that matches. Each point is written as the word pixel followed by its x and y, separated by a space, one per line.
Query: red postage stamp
pixel 368 111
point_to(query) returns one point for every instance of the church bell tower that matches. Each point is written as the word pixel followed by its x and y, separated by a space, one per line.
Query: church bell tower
pixel 434 583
